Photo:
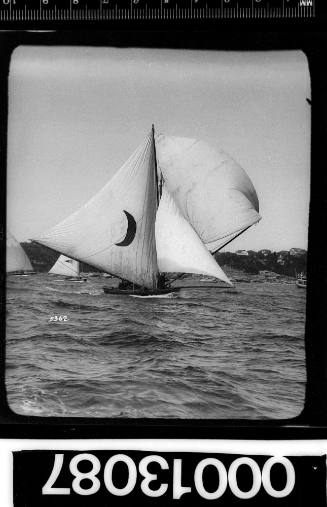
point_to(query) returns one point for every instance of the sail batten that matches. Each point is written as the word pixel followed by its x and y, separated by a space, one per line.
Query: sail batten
pixel 213 192
pixel 17 260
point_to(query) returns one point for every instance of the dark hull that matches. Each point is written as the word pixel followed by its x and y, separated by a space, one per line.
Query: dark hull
pixel 74 280
pixel 22 273
pixel 139 292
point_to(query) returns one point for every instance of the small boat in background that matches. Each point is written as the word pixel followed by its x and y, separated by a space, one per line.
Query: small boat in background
pixel 301 281
pixel 68 268
pixel 17 262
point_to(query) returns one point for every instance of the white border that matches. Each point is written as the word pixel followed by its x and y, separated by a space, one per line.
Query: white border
pixel 242 447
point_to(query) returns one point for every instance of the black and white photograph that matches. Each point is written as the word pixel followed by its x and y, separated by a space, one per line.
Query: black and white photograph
pixel 157 233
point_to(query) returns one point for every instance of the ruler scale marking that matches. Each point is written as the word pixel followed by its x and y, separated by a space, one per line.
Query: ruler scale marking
pixel 169 11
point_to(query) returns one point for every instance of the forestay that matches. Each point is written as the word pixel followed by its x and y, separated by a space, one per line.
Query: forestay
pixel 65 266
pixel 212 191
pixel 179 248
pixel 17 259
pixel 115 230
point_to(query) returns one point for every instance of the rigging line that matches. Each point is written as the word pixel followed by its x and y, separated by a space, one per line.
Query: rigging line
pixel 230 233
pixel 176 278
pixel 156 166
pixel 232 239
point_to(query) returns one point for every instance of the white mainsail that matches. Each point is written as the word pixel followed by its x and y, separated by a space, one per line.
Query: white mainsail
pixel 17 260
pixel 115 230
pixel 179 248
pixel 212 191
pixel 65 266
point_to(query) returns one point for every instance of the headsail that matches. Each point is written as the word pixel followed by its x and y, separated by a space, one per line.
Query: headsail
pixel 115 230
pixel 17 259
pixel 179 248
pixel 65 266
pixel 213 192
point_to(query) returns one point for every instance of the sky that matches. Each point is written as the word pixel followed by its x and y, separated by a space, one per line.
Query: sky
pixel 77 113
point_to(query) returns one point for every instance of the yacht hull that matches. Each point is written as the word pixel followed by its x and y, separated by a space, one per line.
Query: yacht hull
pixel 140 292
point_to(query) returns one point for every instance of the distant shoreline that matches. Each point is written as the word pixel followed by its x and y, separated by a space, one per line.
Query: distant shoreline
pixel 285 262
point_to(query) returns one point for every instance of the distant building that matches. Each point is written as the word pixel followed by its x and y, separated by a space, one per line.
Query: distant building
pixel 282 257
pixel 269 274
pixel 242 252
pixel 297 252
pixel 264 253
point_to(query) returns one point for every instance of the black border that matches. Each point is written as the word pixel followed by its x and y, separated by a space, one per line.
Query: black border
pixel 312 422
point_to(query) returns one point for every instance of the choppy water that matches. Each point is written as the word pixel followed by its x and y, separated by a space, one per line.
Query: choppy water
pixel 210 353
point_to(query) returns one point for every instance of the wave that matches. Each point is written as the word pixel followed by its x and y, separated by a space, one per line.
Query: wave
pixel 206 354
pixel 76 306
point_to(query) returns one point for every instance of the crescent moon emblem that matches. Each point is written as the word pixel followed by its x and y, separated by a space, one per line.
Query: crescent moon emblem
pixel 131 230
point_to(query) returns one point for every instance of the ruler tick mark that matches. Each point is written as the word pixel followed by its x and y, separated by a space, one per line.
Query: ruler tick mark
pixel 52 10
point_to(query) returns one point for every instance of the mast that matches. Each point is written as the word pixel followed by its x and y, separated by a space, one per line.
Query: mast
pixel 158 184
pixel 161 279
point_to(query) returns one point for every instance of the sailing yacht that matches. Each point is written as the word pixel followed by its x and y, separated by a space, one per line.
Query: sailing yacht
pixel 172 204
pixel 17 262
pixel 301 281
pixel 67 268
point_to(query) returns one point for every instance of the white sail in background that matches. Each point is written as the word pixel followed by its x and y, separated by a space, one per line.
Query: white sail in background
pixel 65 266
pixel 17 259
pixel 212 191
pixel 179 248
pixel 115 230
